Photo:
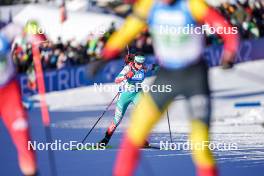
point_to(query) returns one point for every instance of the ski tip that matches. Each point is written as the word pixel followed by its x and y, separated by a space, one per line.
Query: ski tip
pixel 151 147
pixel 94 148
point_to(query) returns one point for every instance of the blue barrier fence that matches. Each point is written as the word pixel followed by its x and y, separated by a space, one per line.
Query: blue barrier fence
pixel 72 77
pixel 248 50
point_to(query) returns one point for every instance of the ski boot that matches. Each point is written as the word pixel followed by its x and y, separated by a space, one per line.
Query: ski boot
pixel 108 134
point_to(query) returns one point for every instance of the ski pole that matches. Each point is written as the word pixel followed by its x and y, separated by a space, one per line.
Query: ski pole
pixel 100 118
pixel 168 118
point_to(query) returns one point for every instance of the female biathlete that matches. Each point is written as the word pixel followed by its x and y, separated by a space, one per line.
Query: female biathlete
pixel 130 79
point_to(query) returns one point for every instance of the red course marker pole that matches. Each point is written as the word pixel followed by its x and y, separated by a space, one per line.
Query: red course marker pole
pixel 44 107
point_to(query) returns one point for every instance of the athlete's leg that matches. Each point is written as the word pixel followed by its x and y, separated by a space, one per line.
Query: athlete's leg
pixel 145 115
pixel 135 102
pixel 199 105
pixel 15 119
pixel 135 99
pixel 124 100
pixel 199 136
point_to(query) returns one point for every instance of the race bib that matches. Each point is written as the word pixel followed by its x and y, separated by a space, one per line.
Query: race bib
pixel 175 43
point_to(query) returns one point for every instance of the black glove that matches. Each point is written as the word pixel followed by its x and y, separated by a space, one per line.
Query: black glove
pixel 227 65
pixel 94 67
pixel 228 59
pixel 154 67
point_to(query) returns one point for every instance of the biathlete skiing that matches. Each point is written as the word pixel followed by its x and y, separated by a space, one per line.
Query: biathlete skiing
pixel 12 112
pixel 182 67
pixel 130 80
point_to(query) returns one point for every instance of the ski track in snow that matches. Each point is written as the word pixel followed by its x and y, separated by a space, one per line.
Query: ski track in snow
pixel 243 126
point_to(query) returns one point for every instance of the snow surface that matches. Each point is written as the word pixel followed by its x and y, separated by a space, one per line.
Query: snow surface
pixel 244 83
pixel 242 126
pixel 73 112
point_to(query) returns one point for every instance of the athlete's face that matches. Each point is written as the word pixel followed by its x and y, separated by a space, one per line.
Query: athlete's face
pixel 138 65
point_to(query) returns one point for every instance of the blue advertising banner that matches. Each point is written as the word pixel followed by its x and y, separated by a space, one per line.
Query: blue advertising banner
pixel 57 80
pixel 249 50
pixel 71 77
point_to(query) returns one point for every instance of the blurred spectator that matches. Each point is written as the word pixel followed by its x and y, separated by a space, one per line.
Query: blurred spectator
pixel 59 44
pixel 143 43
pixel 247 15
pixel 62 60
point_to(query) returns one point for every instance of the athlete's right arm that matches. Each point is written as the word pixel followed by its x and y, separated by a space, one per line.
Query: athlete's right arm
pixel 132 26
pixel 123 74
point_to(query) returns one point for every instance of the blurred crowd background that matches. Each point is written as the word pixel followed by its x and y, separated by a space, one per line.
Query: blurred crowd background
pixel 247 15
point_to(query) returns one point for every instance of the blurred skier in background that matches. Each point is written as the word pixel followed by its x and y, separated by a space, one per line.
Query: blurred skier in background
pixel 12 112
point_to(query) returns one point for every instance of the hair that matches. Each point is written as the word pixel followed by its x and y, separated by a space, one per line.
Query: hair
pixel 139 54
pixel 129 58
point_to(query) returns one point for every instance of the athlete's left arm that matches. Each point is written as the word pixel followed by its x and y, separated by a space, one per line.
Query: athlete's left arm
pixel 206 14
pixel 132 26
